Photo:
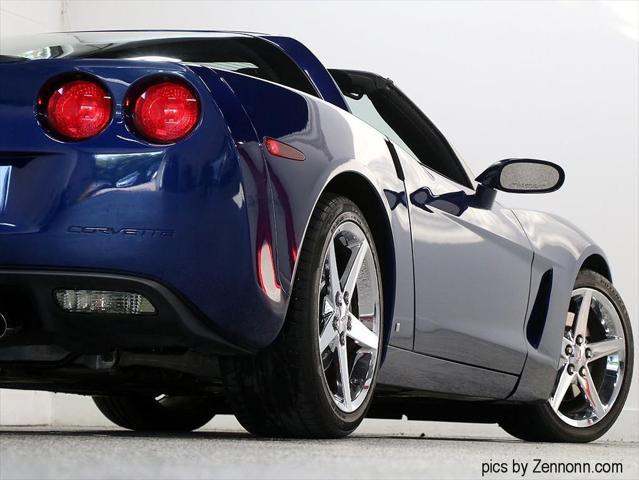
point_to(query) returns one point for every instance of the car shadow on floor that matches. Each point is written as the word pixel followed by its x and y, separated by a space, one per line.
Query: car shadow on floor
pixel 229 435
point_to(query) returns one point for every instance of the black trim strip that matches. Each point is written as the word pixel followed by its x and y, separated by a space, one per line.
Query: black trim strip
pixel 398 166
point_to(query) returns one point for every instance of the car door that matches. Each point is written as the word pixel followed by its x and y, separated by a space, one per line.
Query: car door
pixel 472 259
pixel 472 273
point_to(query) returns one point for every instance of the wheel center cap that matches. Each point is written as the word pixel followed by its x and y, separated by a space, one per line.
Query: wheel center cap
pixel 579 356
pixel 342 324
pixel 342 308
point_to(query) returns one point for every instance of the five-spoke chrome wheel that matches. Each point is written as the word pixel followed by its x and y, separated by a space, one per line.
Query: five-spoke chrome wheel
pixel 593 360
pixel 317 379
pixel 349 316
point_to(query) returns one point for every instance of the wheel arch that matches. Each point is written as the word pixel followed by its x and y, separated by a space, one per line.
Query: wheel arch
pixel 597 263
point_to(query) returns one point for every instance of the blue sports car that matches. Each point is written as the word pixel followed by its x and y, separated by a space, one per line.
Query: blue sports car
pixel 198 223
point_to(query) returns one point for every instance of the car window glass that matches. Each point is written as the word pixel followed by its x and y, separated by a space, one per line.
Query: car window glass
pixel 364 109
pixel 379 103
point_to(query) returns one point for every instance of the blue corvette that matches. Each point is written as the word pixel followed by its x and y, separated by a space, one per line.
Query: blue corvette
pixel 197 223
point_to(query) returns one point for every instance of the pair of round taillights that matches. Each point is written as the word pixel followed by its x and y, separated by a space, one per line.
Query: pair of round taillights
pixel 163 111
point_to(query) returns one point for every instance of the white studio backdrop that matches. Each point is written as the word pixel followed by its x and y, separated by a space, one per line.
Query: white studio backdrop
pixel 550 80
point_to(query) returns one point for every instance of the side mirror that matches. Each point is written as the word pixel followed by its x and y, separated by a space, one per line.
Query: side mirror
pixel 523 175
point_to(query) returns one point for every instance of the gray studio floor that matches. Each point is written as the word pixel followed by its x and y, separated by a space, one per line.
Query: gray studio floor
pixel 228 452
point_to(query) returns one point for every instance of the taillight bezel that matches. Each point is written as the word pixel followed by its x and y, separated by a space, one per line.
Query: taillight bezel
pixel 46 92
pixel 139 87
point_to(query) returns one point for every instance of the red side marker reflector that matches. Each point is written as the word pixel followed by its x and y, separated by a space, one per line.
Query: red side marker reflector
pixel 281 149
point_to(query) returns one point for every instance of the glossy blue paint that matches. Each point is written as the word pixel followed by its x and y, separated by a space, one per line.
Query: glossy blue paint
pixel 559 245
pixel 212 216
pixel 69 205
pixel 425 373
pixel 355 148
pixel 472 274
pixel 316 72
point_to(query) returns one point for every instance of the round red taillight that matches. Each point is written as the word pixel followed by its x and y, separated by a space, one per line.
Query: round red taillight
pixel 78 109
pixel 165 112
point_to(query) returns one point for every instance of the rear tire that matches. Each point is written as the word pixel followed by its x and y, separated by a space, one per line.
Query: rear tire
pixel 285 391
pixel 573 417
pixel 148 414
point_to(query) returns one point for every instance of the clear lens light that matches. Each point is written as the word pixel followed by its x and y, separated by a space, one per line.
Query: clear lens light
pixel 100 301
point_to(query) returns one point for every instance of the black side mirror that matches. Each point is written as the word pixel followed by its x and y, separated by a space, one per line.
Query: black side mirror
pixel 523 175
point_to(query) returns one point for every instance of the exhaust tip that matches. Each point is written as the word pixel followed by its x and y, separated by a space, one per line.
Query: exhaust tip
pixel 4 325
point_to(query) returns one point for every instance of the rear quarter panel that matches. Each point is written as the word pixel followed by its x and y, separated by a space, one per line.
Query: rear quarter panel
pixel 334 143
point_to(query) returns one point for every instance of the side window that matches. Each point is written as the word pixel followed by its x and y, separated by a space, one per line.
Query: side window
pixel 364 109
pixel 379 103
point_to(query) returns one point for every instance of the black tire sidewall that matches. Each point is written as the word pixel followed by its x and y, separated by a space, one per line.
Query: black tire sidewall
pixel 144 413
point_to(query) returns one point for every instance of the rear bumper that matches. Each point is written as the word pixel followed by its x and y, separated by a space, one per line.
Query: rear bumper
pixel 199 243
pixel 198 240
pixel 28 304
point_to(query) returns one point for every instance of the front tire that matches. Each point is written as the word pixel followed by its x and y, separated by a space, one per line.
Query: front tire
pixel 317 379
pixel 594 374
pixel 164 413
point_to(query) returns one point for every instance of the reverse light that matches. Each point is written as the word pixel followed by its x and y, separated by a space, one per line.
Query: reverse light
pixel 77 109
pixel 281 149
pixel 102 301
pixel 164 112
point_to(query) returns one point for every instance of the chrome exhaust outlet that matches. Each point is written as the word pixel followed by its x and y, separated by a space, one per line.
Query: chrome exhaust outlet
pixel 6 328
pixel 4 325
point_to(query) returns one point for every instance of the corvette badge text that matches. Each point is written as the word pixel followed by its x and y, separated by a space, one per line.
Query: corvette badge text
pixel 135 232
pixel 538 466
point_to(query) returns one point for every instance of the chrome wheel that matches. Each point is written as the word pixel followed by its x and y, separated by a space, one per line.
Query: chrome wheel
pixel 349 316
pixel 593 360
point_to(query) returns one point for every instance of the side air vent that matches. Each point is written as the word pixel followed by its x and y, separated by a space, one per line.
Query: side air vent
pixel 539 313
